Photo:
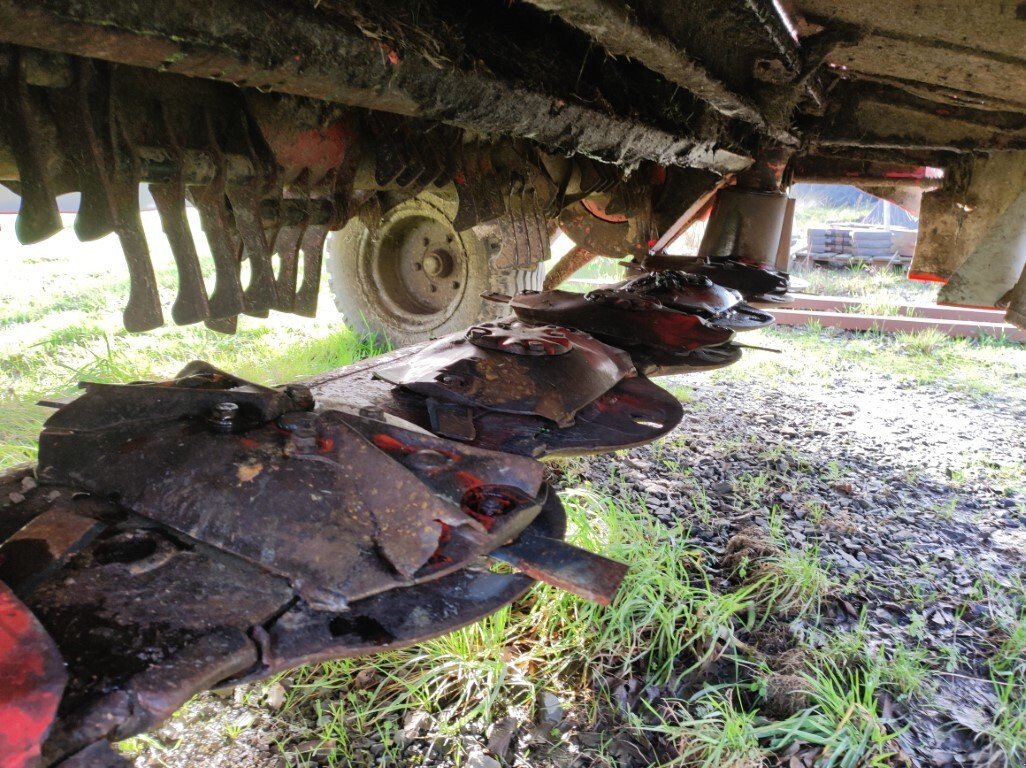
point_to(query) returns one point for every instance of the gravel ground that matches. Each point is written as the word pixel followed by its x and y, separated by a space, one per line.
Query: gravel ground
pixel 913 495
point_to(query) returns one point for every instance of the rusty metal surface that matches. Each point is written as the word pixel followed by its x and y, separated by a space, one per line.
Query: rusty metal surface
pixel 147 605
pixel 306 636
pixel 564 566
pixel 634 412
pixel 197 389
pixel 32 679
pixel 43 545
pixel 621 318
pixel 508 368
pixel 145 617
pixel 751 280
pixel 653 363
pixel 754 282
pixel 227 478
pixel 699 295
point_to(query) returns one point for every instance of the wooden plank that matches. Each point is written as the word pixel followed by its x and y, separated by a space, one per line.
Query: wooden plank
pixel 922 311
pixel 851 321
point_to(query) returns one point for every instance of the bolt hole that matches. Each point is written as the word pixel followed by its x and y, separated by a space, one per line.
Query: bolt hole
pixel 129 547
pixel 455 284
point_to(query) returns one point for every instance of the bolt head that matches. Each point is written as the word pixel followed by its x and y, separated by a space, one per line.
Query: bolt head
pixel 373 412
pixel 225 411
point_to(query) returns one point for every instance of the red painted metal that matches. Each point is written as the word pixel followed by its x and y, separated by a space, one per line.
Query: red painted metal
pixel 32 678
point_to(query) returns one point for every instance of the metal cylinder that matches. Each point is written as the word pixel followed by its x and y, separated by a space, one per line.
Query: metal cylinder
pixel 745 224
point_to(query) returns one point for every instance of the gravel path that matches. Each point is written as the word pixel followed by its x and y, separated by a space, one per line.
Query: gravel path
pixel 912 494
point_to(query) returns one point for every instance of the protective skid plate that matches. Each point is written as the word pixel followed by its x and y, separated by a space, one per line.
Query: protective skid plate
pixel 509 368
pixel 622 318
pixel 698 295
pixel 239 490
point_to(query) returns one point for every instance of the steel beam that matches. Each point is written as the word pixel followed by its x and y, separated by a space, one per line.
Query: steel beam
pixel 880 117
pixel 278 47
pixel 614 27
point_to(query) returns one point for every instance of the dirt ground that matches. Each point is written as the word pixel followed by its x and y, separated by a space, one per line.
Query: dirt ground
pixel 910 493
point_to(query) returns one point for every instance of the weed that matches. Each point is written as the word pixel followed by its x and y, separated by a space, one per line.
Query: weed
pixel 794 583
pixel 843 718
pixel 925 342
pixel 717 734
pixel 906 670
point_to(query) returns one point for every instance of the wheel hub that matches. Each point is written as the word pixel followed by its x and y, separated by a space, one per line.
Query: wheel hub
pixel 438 263
pixel 420 267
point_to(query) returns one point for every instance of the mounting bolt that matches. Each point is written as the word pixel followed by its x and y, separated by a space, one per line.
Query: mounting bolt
pixel 372 412
pixel 223 417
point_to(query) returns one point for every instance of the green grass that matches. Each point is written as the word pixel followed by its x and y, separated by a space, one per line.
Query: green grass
pixel 668 624
pixel 880 288
pixel 968 366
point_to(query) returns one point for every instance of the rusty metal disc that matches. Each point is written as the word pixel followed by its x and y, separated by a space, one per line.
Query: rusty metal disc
pixel 699 295
pixel 231 483
pixel 621 318
pixel 549 383
pixel 520 339
pixel 654 364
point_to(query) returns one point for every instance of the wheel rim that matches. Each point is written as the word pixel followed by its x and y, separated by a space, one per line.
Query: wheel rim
pixel 417 265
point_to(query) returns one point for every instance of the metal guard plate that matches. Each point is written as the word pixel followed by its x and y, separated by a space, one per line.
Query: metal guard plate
pixel 699 295
pixel 620 318
pixel 351 540
pixel 553 386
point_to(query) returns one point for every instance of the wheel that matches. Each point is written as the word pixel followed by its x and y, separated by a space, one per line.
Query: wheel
pixel 413 277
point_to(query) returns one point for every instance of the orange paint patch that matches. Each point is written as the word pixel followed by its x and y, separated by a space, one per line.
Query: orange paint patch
pixel 247 472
